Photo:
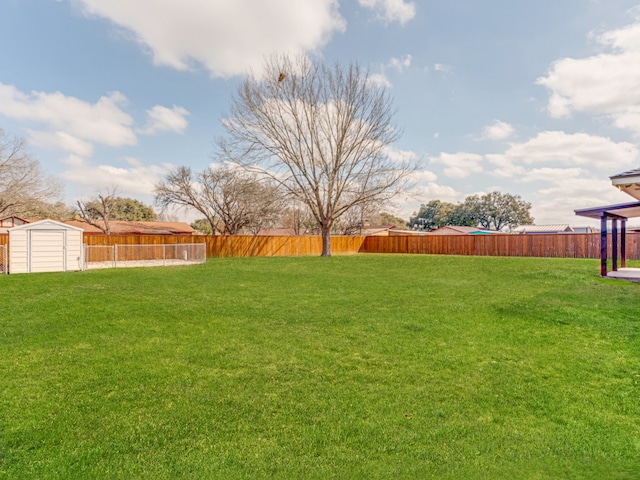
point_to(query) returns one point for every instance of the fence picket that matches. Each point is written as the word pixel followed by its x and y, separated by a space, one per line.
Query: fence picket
pixel 576 245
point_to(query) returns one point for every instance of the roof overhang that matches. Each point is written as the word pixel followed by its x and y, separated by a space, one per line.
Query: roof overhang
pixel 619 211
pixel 628 182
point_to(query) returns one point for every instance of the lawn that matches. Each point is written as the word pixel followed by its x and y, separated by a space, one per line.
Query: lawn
pixel 364 366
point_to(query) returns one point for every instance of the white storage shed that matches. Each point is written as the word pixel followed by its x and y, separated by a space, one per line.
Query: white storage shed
pixel 45 246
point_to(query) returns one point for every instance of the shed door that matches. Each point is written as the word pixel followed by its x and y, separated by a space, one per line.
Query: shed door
pixel 47 251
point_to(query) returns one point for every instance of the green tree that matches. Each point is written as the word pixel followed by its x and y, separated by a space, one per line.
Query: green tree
pixel 498 210
pixel 493 210
pixel 386 218
pixel 55 211
pixel 432 215
pixel 202 225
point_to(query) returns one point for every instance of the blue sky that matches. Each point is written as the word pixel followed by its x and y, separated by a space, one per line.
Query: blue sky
pixel 539 99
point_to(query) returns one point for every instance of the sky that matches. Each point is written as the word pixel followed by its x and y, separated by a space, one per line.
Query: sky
pixel 536 99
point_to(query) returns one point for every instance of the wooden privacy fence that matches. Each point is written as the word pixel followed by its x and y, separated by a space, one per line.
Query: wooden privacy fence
pixel 239 246
pixel 574 245
pixel 552 245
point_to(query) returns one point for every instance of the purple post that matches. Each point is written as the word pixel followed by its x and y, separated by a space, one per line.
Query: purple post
pixel 623 244
pixel 614 244
pixel 603 245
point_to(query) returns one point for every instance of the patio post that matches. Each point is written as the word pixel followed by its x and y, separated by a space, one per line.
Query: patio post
pixel 603 244
pixel 614 244
pixel 623 243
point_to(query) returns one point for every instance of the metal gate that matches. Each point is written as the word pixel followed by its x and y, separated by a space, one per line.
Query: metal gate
pixel 4 261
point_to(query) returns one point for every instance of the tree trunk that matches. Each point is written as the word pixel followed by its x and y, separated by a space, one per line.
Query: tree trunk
pixel 326 241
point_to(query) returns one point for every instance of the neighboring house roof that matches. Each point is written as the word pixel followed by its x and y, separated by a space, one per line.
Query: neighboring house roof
pixel 10 222
pixel 397 232
pixel 461 230
pixel 585 229
pixel 377 230
pixel 559 228
pixel 119 227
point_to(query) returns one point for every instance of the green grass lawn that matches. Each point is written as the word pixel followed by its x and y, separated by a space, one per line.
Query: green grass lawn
pixel 367 366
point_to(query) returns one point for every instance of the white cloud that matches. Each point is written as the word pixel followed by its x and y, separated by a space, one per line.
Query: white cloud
pixel 103 122
pixel 226 38
pixel 63 141
pixel 440 67
pixel 400 156
pixel 75 126
pixel 391 10
pixel 497 131
pixel 556 204
pixel 380 80
pixel 605 84
pixel 547 174
pixel 400 64
pixel 560 148
pixel 459 165
pixel 424 192
pixel 163 119
pixel 57 121
pixel 136 180
pixel 423 177
pixel 570 171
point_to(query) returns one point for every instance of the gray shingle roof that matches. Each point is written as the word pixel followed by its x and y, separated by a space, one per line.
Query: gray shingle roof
pixel 631 173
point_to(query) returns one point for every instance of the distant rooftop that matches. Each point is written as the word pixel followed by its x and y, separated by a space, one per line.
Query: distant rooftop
pixel 561 227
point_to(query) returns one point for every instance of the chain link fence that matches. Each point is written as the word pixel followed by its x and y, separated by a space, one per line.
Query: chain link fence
pixel 4 260
pixel 121 255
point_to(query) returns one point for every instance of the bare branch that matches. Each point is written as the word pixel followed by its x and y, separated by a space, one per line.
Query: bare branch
pixel 99 212
pixel 321 132
pixel 24 187
pixel 230 198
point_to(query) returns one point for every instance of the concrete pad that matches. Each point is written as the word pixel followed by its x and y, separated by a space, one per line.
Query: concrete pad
pixel 632 274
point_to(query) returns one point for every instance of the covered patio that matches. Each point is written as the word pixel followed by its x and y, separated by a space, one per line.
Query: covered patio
pixel 618 216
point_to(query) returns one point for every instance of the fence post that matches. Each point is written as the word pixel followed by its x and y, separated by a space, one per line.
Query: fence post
pixel 164 255
pixel 115 256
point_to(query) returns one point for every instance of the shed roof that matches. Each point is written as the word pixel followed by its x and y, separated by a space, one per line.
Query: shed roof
pixel 47 223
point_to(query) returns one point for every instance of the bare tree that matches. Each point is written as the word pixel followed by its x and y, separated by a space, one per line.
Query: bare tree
pixel 99 212
pixel 298 217
pixel 181 188
pixel 23 184
pixel 229 198
pixel 353 220
pixel 265 204
pixel 55 210
pixel 321 132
